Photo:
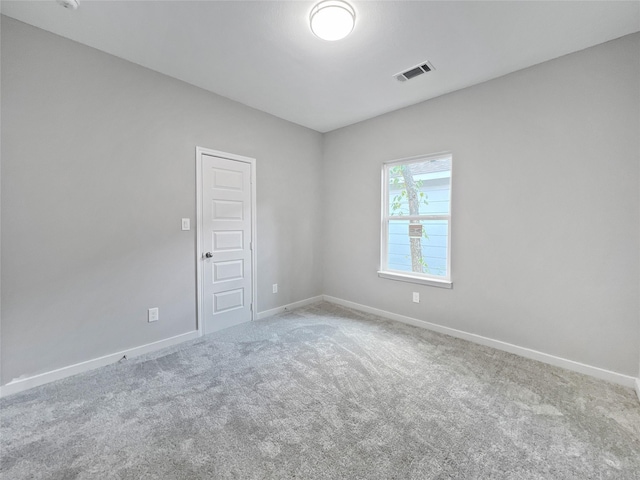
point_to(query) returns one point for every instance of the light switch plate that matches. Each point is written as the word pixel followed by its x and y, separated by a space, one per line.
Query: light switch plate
pixel 186 224
pixel 416 297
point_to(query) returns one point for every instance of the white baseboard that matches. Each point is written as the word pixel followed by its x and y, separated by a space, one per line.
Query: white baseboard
pixel 597 372
pixel 21 384
pixel 291 306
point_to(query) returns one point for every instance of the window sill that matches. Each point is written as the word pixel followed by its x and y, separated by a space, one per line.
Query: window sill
pixel 415 279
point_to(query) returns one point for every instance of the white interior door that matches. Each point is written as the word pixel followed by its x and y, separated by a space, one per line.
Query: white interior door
pixel 226 242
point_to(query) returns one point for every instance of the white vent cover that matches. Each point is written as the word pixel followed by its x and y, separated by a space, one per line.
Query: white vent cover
pixel 413 72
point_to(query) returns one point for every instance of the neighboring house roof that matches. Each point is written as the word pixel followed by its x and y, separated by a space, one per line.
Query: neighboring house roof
pixel 430 166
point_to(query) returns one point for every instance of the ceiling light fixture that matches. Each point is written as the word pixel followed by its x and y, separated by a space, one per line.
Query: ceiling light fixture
pixel 332 19
pixel 70 4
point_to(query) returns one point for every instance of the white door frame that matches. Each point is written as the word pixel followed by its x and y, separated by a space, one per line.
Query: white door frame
pixel 200 152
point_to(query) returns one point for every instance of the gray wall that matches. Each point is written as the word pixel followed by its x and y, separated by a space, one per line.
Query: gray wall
pixel 98 167
pixel 540 259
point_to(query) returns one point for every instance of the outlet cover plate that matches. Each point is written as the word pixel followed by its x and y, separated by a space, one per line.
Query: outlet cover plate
pixel 154 314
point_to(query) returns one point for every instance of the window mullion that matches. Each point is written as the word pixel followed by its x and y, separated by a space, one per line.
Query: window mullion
pixel 417 217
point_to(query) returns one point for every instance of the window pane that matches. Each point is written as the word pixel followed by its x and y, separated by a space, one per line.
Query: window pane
pixel 418 246
pixel 420 188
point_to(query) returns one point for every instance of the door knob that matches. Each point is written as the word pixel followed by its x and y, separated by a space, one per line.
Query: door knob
pixel 208 255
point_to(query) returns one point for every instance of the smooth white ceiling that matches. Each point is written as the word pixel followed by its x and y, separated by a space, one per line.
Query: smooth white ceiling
pixel 264 55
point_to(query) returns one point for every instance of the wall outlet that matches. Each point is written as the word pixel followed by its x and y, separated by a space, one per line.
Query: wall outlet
pixel 154 314
pixel 275 288
pixel 186 224
pixel 416 297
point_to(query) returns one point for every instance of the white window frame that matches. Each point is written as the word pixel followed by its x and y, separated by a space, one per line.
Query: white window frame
pixel 412 277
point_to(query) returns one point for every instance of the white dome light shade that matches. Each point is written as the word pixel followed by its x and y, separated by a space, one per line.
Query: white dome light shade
pixel 332 19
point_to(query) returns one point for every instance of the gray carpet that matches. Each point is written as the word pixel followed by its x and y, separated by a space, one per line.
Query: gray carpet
pixel 323 393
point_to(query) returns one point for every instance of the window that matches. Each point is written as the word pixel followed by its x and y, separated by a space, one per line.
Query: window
pixel 416 220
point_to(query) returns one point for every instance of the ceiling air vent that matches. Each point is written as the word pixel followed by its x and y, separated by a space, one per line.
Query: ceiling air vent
pixel 424 67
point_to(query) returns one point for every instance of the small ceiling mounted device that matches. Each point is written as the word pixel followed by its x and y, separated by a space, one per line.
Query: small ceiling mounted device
pixel 332 19
pixel 70 4
pixel 413 72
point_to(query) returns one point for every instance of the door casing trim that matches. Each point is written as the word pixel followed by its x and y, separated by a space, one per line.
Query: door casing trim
pixel 200 152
